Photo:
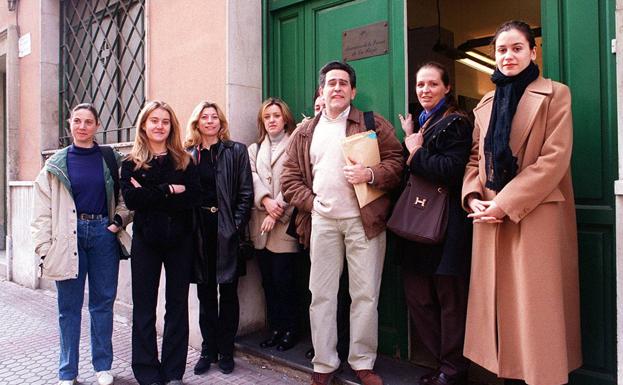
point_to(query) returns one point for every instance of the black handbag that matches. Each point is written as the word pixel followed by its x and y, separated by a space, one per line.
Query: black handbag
pixel 421 212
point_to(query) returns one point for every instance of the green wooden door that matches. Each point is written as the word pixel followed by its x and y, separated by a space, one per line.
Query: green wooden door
pixel 301 36
pixel 576 46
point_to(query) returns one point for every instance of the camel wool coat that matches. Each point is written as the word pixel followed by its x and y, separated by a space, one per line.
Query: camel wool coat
pixel 523 316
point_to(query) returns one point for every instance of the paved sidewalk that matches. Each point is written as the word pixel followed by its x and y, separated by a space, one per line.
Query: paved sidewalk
pixel 29 348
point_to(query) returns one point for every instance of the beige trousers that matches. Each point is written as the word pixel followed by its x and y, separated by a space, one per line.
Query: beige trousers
pixel 331 240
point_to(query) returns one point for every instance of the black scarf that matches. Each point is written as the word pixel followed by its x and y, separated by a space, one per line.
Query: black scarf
pixel 500 163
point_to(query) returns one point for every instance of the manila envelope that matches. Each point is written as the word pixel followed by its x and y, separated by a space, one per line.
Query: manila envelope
pixel 363 148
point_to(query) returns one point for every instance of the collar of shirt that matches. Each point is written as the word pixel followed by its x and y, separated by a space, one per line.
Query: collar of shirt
pixel 342 116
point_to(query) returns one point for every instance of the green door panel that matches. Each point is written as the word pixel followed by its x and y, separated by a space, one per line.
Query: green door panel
pixel 288 58
pixel 301 36
pixel 576 46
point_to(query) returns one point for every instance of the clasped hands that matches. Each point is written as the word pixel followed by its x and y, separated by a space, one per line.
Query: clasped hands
pixel 484 211
pixel 275 210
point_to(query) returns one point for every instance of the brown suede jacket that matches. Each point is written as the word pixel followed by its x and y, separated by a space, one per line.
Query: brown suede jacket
pixel 297 181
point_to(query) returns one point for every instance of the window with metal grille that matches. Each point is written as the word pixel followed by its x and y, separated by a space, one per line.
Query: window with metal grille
pixel 103 62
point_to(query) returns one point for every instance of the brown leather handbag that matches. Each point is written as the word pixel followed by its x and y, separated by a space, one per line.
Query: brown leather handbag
pixel 421 213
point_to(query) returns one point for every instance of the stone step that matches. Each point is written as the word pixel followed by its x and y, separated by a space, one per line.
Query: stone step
pixel 393 371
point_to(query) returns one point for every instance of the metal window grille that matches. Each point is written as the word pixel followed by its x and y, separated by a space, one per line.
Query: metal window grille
pixel 103 62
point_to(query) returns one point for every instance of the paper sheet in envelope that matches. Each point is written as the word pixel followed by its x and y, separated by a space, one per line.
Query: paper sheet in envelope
pixel 363 148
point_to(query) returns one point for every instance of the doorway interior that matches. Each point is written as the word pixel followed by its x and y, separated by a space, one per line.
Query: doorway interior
pixel 457 34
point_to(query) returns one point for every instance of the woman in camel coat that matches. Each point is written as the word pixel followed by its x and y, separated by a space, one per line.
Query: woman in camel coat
pixel 523 317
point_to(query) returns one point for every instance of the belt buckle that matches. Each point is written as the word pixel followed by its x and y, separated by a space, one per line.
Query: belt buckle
pixel 90 217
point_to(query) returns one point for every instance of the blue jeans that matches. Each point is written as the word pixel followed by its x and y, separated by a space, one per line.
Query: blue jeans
pixel 99 260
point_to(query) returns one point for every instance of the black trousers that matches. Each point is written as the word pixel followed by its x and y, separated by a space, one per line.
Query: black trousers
pixel 278 281
pixel 438 306
pixel 146 263
pixel 219 307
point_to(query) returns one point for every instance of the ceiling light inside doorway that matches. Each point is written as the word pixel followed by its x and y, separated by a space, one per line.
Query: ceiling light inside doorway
pixel 475 61
pixel 480 56
pixel 476 65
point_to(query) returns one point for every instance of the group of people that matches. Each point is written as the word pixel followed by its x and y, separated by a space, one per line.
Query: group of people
pixel 510 222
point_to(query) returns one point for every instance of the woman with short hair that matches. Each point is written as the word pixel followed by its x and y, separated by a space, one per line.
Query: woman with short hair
pixel 76 218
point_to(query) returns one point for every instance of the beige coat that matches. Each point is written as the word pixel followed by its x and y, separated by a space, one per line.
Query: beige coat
pixel 55 220
pixel 266 170
pixel 523 318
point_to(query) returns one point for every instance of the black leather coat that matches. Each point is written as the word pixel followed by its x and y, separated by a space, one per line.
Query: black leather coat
pixel 234 188
pixel 442 159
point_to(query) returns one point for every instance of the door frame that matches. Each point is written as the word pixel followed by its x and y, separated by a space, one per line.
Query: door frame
pixel 618 187
pixel 396 17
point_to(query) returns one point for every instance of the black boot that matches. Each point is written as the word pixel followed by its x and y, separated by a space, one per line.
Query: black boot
pixel 203 365
pixel 226 364
pixel 287 342
pixel 275 338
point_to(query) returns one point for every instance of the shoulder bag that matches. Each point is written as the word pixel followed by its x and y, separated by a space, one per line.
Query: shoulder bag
pixel 421 213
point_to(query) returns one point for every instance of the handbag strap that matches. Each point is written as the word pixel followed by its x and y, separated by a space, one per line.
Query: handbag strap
pixel 111 162
pixel 448 120
pixel 368 118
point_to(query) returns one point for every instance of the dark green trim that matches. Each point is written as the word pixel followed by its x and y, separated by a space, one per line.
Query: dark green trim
pixel 278 4
pixel 552 45
pixel 398 33
pixel 265 47
pixel 576 52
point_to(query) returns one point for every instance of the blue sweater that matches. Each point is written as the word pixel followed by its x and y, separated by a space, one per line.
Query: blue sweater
pixel 86 175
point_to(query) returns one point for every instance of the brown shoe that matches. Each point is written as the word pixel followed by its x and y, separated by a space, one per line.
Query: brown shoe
pixel 322 378
pixel 368 377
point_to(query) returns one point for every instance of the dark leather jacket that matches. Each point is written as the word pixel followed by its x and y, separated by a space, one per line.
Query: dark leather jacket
pixel 234 188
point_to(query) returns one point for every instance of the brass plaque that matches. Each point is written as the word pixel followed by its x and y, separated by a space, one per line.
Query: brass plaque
pixel 369 40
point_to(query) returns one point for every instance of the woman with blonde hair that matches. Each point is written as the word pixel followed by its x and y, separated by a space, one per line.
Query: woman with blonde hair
pixel 225 203
pixel 276 250
pixel 160 182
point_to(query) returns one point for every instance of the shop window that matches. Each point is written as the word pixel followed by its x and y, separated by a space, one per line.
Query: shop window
pixel 102 61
